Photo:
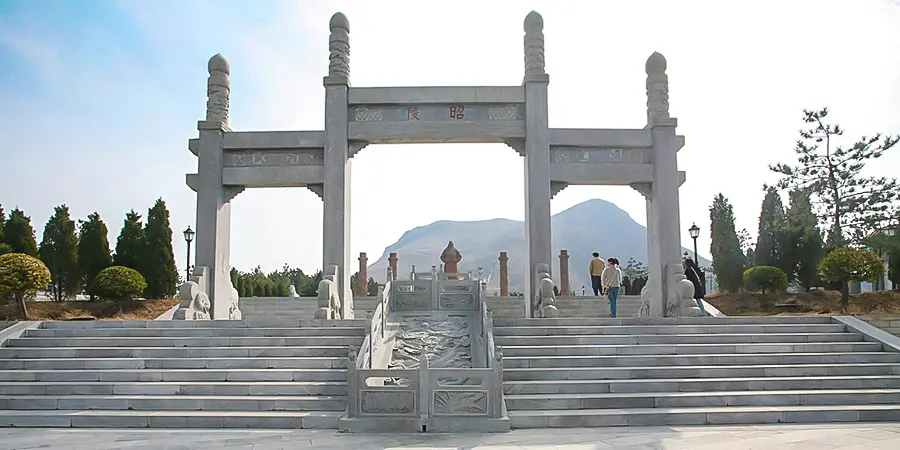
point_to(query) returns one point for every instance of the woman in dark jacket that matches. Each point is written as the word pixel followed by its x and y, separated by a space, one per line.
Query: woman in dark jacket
pixel 692 272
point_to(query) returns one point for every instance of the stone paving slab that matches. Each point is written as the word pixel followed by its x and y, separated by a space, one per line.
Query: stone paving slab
pixel 818 437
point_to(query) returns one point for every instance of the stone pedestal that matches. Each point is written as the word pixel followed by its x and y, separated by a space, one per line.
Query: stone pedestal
pixel 504 274
pixel 392 263
pixel 564 288
pixel 363 289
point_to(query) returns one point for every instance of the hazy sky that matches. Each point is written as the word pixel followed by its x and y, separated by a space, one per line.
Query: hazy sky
pixel 99 98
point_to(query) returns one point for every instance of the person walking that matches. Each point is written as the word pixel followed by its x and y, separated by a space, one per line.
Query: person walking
pixel 612 281
pixel 595 269
pixel 692 272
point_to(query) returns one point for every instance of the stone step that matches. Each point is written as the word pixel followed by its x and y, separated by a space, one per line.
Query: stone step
pixel 311 362
pixel 641 339
pixel 562 330
pixel 139 342
pixel 558 362
pixel 175 402
pixel 135 375
pixel 174 388
pixel 701 384
pixel 197 332
pixel 171 352
pixel 703 399
pixel 661 321
pixel 686 349
pixel 731 415
pixel 171 419
pixel 306 323
pixel 711 371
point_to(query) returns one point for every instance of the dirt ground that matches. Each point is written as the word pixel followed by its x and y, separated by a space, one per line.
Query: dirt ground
pixel 810 303
pixel 100 309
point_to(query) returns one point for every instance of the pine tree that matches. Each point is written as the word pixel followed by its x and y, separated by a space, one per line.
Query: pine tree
pixel 4 247
pixel 853 206
pixel 130 243
pixel 58 252
pixel 768 250
pixel 802 240
pixel 19 234
pixel 93 249
pixel 729 260
pixel 160 270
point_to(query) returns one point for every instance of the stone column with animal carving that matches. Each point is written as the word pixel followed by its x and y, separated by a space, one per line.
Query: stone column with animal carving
pixel 564 288
pixel 392 264
pixel 504 274
pixel 363 289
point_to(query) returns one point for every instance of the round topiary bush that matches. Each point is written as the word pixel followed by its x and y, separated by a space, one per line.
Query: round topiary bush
pixel 20 278
pixel 765 278
pixel 119 283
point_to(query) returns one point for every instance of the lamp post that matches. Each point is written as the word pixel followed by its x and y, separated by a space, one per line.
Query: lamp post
pixel 695 233
pixel 188 237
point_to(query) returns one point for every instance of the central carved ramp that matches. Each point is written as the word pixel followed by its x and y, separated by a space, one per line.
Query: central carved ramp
pixel 429 362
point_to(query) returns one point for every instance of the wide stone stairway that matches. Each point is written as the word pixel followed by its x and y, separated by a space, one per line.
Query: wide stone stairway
pixel 263 373
pixel 571 372
pixel 514 307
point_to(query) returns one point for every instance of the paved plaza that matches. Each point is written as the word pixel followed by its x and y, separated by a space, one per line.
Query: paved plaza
pixel 781 437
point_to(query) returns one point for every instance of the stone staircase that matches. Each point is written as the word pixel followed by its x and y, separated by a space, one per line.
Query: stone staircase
pixel 293 308
pixel 274 372
pixel 514 307
pixel 739 370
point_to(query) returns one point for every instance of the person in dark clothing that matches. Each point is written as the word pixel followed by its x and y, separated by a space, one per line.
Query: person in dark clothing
pixel 596 271
pixel 692 272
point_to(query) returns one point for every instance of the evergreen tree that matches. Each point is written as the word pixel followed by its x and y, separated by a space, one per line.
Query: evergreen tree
pixel 160 270
pixel 802 242
pixel 93 250
pixel 130 243
pixel 853 206
pixel 19 234
pixel 768 250
pixel 729 260
pixel 4 247
pixel 58 252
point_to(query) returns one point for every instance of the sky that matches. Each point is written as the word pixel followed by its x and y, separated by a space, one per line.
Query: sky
pixel 99 98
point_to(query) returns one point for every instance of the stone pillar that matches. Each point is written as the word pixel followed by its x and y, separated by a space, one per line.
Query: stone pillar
pixel 392 263
pixel 537 152
pixel 213 199
pixel 363 275
pixel 336 189
pixel 564 288
pixel 504 274
pixel 664 220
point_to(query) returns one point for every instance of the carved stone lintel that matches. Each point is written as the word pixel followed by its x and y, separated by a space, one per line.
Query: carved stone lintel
pixel 318 189
pixel 232 191
pixel 516 144
pixel 556 187
pixel 645 189
pixel 356 146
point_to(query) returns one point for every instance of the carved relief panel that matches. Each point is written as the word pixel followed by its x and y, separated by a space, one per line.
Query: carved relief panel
pixel 249 158
pixel 600 155
pixel 437 113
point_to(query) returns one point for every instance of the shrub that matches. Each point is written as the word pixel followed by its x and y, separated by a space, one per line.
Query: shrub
pixel 21 276
pixel 844 265
pixel 765 278
pixel 119 283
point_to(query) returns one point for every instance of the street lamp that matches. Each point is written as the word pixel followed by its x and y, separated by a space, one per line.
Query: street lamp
pixel 188 237
pixel 695 233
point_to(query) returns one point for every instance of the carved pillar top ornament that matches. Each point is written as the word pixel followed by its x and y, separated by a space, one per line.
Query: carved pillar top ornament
pixel 218 90
pixel 339 48
pixel 534 48
pixel 657 88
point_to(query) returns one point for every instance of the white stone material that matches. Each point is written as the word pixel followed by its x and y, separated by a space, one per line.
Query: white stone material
pixel 218 91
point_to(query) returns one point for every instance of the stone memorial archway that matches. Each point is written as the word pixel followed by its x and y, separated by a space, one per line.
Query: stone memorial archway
pixel 231 161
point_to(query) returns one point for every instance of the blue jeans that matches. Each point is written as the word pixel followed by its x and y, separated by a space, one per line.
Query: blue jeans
pixel 700 304
pixel 613 295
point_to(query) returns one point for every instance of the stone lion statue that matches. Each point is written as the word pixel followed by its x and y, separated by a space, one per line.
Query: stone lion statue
pixel 329 301
pixel 544 302
pixel 680 301
pixel 645 301
pixel 194 305
pixel 234 311
pixel 293 293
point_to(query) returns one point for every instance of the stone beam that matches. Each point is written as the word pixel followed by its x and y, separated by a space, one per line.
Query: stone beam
pixel 273 140
pixel 682 177
pixel 679 141
pixel 579 137
pixel 193 181
pixel 436 94
pixel 194 146
pixel 436 131
pixel 295 176
pixel 601 173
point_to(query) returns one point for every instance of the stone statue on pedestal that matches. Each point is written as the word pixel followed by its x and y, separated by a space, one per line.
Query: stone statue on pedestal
pixel 293 292
pixel 451 258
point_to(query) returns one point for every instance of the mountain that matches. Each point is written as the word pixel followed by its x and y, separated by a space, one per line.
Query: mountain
pixel 594 225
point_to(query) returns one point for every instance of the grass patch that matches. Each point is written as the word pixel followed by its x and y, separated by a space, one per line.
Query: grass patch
pixel 99 309
pixel 805 304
